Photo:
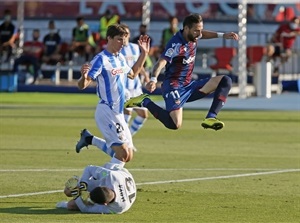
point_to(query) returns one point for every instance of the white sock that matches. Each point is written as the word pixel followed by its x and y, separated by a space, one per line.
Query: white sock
pixel 101 144
pixel 62 204
pixel 137 124
pixel 127 118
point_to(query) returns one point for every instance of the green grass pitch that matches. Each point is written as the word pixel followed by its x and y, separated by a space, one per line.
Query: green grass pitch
pixel 247 172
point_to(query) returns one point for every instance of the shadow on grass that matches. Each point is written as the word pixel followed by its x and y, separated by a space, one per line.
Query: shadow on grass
pixel 36 210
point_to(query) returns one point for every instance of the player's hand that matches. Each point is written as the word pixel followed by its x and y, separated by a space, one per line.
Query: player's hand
pixel 85 68
pixel 85 196
pixel 72 182
pixel 151 86
pixel 231 35
pixel 144 43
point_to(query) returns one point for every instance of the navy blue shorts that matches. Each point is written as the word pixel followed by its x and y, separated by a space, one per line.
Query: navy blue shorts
pixel 175 98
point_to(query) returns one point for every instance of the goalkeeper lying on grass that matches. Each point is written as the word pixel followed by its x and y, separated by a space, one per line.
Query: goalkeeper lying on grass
pixel 107 189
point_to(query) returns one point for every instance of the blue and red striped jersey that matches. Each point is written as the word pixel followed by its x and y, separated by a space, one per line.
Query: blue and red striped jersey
pixel 180 56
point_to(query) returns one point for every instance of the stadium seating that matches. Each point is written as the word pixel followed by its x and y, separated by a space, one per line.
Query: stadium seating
pixel 223 56
pixel 255 54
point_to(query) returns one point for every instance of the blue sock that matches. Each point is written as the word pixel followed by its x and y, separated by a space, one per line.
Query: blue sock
pixel 101 144
pixel 220 97
pixel 162 115
pixel 137 124
pixel 145 102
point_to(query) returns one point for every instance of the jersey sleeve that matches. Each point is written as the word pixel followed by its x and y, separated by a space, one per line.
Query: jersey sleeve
pixel 169 51
pixel 87 173
pixel 96 67
pixel 96 208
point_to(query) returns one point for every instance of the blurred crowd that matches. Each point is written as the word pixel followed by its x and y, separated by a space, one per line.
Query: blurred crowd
pixel 85 43
pixel 51 49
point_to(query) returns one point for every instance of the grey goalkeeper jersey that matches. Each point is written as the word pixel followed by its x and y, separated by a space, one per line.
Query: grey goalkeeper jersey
pixel 115 177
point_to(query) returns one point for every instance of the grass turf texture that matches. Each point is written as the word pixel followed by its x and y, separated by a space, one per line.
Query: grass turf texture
pixel 38 133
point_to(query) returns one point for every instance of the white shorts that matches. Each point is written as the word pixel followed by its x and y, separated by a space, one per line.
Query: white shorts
pixel 136 108
pixel 112 126
pixel 135 92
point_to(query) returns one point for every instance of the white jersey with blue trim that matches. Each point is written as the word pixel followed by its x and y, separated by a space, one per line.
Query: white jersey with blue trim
pixel 115 177
pixel 110 72
pixel 132 53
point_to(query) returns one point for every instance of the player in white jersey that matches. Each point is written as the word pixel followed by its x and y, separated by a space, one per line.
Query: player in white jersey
pixel 107 189
pixel 134 88
pixel 110 69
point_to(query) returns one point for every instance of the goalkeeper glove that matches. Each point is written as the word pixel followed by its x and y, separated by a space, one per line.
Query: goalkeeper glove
pixel 83 186
pixel 85 196
pixel 72 182
pixel 75 192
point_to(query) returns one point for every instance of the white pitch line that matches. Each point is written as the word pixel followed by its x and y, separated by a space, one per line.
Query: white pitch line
pixel 171 181
pixel 31 194
pixel 220 177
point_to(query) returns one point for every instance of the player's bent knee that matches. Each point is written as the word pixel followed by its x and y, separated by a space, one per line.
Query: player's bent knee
pixel 228 81
pixel 123 153
pixel 177 126
pixel 130 155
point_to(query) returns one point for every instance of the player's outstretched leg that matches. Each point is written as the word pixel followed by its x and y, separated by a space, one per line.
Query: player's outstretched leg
pixel 136 101
pixel 82 141
pixel 87 138
pixel 159 113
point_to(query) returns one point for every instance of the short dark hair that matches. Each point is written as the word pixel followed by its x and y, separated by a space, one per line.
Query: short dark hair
pixel 101 195
pixel 115 30
pixel 192 19
pixel 79 18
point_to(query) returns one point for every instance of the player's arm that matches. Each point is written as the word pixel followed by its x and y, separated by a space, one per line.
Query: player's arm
pixel 144 44
pixel 145 74
pixel 95 208
pixel 206 34
pixel 84 80
pixel 158 66
pixel 91 171
pixel 290 34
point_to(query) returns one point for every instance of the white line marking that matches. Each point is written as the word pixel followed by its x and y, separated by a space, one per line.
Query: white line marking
pixel 32 194
pixel 220 177
pixel 171 181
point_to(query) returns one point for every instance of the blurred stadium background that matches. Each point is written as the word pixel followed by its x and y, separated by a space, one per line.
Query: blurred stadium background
pixel 254 20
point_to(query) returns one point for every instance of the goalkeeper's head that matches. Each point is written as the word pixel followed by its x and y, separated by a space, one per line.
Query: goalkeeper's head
pixel 102 195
